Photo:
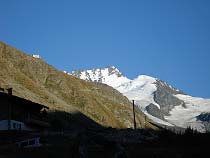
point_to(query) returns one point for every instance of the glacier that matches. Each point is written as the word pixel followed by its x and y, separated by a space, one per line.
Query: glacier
pixel 177 109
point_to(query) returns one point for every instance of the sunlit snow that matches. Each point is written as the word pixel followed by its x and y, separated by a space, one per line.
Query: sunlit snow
pixel 186 116
pixel 142 91
pixel 104 76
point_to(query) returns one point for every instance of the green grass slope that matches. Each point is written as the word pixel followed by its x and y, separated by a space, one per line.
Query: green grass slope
pixel 40 82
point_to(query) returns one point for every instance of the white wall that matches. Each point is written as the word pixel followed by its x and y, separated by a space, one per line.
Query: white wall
pixel 36 56
pixel 4 125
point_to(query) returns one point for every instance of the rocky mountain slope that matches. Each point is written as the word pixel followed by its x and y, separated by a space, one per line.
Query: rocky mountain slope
pixel 34 79
pixel 160 101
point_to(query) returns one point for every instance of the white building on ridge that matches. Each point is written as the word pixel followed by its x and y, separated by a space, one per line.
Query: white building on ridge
pixel 36 56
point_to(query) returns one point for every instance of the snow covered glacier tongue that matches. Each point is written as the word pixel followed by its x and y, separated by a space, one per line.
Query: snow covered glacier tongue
pixel 158 100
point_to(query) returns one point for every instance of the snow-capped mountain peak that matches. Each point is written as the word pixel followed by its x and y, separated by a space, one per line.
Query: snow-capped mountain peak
pixel 161 102
pixel 141 89
pixel 109 75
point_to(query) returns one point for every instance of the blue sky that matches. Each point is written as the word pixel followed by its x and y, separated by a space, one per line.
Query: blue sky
pixel 167 39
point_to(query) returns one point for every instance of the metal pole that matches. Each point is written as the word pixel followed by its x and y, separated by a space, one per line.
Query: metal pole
pixel 134 117
pixel 9 107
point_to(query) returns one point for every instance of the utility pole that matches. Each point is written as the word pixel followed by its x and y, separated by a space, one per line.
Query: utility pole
pixel 134 117
pixel 9 107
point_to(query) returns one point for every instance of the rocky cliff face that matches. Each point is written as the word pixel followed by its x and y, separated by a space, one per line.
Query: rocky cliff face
pixel 164 96
pixel 34 79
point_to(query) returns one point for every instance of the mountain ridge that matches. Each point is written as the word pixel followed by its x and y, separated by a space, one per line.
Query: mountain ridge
pixel 161 101
pixel 35 80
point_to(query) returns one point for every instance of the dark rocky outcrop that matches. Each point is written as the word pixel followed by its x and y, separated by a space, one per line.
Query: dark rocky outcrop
pixel 164 96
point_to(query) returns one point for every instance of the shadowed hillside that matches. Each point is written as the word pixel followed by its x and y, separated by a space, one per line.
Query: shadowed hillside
pixel 77 136
pixel 34 79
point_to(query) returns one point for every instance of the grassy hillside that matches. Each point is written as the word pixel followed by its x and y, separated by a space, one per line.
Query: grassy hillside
pixel 40 82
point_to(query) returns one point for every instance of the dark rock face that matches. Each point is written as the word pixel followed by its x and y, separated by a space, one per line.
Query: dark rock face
pixel 164 96
pixel 154 111
pixel 205 118
pixel 113 70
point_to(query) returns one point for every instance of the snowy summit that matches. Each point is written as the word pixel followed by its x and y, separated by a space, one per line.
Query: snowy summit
pixel 109 75
pixel 161 102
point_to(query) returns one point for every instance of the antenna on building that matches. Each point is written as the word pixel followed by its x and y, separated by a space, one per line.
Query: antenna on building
pixel 36 55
